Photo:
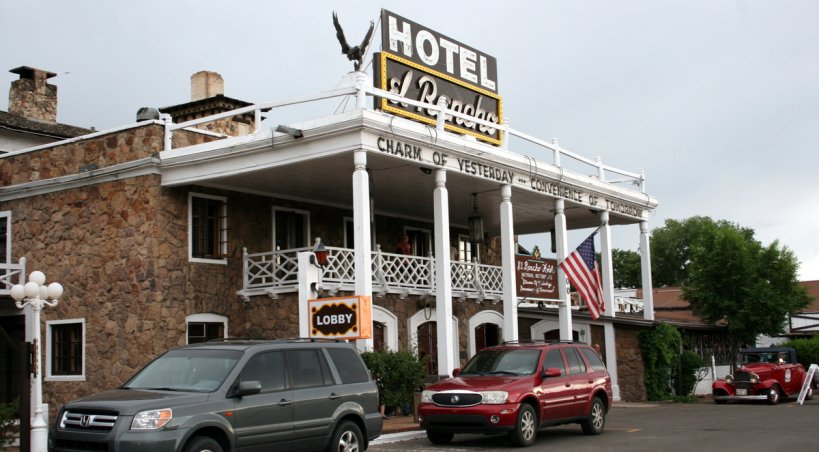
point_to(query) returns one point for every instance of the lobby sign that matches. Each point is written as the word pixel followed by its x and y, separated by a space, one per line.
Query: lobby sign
pixel 421 64
pixel 341 318
pixel 536 278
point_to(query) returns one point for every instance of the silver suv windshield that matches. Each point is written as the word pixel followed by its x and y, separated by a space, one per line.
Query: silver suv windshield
pixel 503 362
pixel 189 370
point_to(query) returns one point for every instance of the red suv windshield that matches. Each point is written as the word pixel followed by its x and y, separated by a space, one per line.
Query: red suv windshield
pixel 503 362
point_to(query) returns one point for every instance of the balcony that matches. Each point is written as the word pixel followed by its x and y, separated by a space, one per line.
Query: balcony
pixel 276 272
pixel 11 274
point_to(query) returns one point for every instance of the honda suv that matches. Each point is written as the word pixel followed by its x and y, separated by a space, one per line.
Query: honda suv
pixel 221 396
pixel 519 388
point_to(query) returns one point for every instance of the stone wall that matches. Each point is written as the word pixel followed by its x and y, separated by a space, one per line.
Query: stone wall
pixel 630 368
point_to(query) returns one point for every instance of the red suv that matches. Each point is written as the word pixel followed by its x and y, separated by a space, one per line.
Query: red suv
pixel 518 388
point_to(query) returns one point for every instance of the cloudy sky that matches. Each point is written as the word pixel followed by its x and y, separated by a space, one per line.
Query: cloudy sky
pixel 717 100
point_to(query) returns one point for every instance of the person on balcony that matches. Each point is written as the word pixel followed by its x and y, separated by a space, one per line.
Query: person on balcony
pixel 404 246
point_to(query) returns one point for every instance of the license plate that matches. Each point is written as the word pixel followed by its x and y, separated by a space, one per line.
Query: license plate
pixel 742 392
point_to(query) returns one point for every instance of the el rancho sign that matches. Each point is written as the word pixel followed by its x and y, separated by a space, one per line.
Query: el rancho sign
pixel 340 318
pixel 424 65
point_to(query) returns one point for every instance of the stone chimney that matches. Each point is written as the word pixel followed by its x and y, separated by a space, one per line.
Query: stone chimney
pixel 32 96
pixel 206 84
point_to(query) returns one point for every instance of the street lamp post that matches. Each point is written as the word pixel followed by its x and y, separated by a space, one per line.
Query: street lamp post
pixel 36 295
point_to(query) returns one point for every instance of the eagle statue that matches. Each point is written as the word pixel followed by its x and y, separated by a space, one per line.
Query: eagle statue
pixel 354 54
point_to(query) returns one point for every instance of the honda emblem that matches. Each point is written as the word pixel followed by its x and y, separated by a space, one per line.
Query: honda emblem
pixel 85 420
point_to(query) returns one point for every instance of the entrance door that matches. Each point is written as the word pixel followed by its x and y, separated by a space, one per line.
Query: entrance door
pixel 486 335
pixel 428 345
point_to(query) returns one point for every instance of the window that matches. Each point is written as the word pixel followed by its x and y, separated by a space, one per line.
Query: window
pixel 207 228
pixel 350 368
pixel 266 368
pixel 464 249
pixel 421 241
pixel 290 228
pixel 593 358
pixel 65 343
pixel 5 237
pixel 204 327
pixel 576 365
pixel 554 359
pixel 305 368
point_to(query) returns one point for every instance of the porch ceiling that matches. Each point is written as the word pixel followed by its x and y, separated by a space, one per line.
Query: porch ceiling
pixel 318 168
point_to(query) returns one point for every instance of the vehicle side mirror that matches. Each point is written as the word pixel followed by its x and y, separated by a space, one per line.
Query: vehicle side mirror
pixel 551 372
pixel 456 372
pixel 248 388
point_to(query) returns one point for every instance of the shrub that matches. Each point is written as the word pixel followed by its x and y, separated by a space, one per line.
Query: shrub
pixel 661 348
pixel 399 374
pixel 690 364
pixel 807 350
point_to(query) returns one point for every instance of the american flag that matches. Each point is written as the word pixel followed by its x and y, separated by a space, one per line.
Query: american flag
pixel 581 269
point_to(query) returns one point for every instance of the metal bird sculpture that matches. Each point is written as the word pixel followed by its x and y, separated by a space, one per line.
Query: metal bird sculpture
pixel 354 54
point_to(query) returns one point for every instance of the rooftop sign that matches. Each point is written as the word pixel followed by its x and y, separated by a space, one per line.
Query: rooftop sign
pixel 424 65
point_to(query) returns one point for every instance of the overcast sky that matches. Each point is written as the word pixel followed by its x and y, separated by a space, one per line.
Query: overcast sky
pixel 717 100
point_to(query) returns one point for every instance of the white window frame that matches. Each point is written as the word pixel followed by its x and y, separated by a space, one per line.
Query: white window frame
pixel 463 239
pixel 222 227
pixel 206 318
pixel 48 376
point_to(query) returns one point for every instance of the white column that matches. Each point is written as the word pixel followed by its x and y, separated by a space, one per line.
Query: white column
pixel 611 357
pixel 510 293
pixel 565 309
pixel 361 234
pixel 607 269
pixel 645 265
pixel 443 279
pixel 309 279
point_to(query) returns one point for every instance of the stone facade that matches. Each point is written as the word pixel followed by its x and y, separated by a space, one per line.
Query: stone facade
pixel 630 367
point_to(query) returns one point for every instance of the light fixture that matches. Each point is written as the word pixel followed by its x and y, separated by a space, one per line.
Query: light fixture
pixel 321 254
pixel 292 131
pixel 425 170
pixel 475 222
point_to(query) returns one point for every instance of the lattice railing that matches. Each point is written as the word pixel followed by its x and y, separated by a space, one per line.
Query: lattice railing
pixel 277 272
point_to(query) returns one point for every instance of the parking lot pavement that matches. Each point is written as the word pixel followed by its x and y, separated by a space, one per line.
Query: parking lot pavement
pixel 662 426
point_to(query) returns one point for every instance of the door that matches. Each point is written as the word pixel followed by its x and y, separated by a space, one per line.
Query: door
pixel 428 345
pixel 264 421
pixel 316 397
pixel 582 381
pixel 555 393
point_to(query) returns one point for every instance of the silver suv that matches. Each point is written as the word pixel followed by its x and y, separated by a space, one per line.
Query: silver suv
pixel 289 394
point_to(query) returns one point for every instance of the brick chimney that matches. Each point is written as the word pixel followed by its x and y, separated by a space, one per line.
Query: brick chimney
pixel 206 84
pixel 32 96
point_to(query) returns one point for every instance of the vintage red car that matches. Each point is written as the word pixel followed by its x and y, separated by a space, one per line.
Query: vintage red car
pixel 763 374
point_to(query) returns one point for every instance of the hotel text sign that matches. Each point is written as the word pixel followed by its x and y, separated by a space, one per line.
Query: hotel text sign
pixel 491 171
pixel 424 65
pixel 537 278
pixel 341 318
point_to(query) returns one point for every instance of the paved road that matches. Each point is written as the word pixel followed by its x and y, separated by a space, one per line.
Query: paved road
pixel 666 427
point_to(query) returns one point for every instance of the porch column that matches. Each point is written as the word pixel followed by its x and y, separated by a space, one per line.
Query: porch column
pixel 565 308
pixel 608 296
pixel 645 266
pixel 510 293
pixel 361 234
pixel 443 278
pixel 607 269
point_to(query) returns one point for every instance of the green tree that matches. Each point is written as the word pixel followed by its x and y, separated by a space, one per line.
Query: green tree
pixel 726 274
pixel 627 271
pixel 661 354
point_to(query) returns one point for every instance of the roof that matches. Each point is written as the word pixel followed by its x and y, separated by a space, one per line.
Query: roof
pixel 54 129
pixel 812 288
pixel 207 106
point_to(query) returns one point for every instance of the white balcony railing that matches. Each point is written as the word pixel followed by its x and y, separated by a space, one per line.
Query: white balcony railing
pixel 11 274
pixel 276 272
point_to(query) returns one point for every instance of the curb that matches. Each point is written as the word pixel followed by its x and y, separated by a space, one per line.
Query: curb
pixel 397 437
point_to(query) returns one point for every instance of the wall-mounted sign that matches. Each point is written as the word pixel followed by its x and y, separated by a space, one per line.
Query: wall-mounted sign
pixel 341 318
pixel 536 278
pixel 424 65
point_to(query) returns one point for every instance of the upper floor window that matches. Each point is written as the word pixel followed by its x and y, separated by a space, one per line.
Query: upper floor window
pixel 464 249
pixel 207 227
pixel 291 228
pixel 65 342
